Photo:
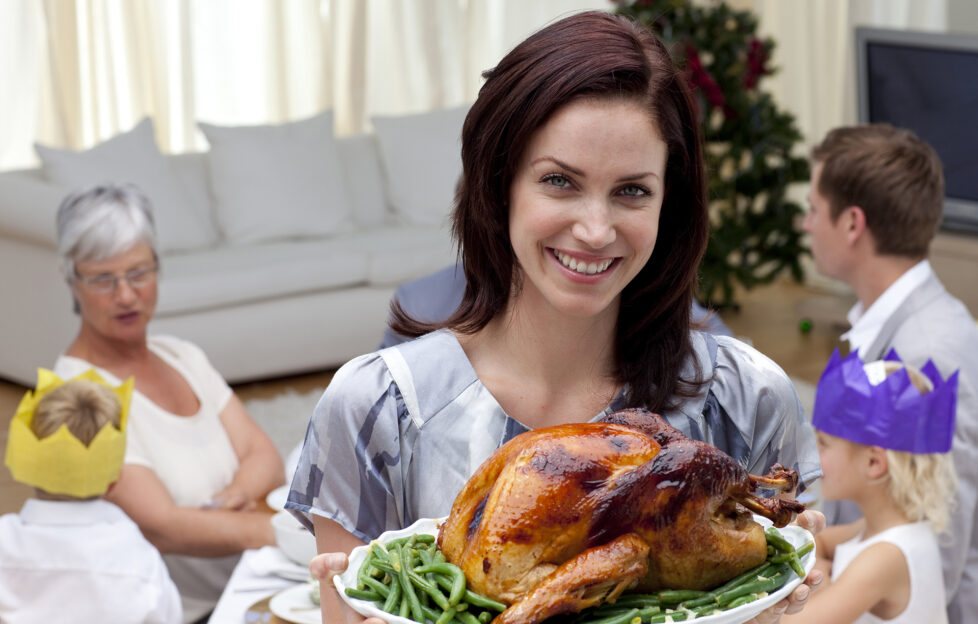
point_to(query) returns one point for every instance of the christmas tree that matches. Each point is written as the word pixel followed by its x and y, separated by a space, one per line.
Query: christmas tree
pixel 748 143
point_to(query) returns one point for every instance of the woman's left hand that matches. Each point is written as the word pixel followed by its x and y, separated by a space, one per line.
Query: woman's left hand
pixel 813 521
pixel 233 500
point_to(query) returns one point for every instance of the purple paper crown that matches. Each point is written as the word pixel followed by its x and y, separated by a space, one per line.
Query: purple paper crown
pixel 892 414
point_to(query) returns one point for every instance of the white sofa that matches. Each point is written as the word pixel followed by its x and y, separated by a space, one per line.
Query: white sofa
pixel 267 286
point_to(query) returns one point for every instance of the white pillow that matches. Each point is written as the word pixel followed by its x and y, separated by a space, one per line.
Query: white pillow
pixel 28 205
pixel 422 160
pixel 281 181
pixel 133 157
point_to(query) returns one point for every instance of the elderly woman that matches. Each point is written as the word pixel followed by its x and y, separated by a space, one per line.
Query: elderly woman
pixel 195 461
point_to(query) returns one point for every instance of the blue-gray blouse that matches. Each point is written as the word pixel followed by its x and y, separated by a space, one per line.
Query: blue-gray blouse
pixel 399 431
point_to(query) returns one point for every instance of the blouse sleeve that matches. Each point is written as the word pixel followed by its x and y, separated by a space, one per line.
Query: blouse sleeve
pixel 350 468
pixel 762 403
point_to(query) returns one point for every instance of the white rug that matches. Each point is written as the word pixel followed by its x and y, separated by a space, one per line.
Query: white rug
pixel 284 418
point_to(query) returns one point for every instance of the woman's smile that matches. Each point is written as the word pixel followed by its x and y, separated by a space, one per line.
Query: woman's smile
pixel 584 266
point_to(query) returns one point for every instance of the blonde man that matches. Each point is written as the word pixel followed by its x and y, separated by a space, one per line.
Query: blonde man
pixel 69 555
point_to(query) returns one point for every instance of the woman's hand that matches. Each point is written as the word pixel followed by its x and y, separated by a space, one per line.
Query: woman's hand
pixel 233 500
pixel 324 567
pixel 813 521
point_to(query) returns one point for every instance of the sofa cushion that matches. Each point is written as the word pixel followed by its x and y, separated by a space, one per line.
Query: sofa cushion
pixel 228 275
pixel 422 162
pixel 191 168
pixel 133 157
pixel 398 253
pixel 277 181
pixel 28 205
pixel 361 162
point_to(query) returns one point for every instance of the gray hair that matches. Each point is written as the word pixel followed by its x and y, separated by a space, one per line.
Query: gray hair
pixel 101 222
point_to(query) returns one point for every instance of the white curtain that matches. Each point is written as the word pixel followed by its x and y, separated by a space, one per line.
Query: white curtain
pixel 86 70
pixel 815 51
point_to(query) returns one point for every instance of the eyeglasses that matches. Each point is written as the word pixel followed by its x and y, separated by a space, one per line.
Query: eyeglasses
pixel 106 283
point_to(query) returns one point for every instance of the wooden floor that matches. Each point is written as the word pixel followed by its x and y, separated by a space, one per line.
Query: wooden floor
pixel 769 317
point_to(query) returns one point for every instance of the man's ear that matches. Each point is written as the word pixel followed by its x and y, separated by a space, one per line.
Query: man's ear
pixel 855 224
pixel 877 466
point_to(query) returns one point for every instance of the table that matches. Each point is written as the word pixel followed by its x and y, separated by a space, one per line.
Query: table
pixel 246 587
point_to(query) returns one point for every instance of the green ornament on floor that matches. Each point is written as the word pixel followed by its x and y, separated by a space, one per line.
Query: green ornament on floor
pixel 805 325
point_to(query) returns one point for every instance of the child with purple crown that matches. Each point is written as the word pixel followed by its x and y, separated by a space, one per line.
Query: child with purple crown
pixel 884 434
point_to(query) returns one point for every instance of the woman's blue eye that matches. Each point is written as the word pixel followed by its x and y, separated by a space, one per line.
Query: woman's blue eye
pixel 635 191
pixel 557 180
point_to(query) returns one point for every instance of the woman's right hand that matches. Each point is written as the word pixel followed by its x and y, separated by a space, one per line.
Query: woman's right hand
pixel 324 567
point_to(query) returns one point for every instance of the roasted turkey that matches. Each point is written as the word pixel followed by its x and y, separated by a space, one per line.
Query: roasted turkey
pixel 563 518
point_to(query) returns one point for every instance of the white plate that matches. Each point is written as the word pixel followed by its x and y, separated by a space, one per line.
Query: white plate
pixel 794 534
pixel 295 605
pixel 277 497
pixel 349 576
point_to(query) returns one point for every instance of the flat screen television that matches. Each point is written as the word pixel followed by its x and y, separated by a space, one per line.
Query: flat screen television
pixel 927 82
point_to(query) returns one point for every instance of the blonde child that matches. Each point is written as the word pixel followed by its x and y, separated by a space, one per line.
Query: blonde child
pixel 70 556
pixel 884 435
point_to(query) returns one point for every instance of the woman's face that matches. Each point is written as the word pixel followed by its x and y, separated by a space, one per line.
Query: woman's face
pixel 122 312
pixel 584 205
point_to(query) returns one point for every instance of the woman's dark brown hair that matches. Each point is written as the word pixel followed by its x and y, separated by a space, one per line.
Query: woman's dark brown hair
pixel 586 55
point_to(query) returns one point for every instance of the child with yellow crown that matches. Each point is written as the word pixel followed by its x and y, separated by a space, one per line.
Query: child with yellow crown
pixel 69 555
pixel 884 433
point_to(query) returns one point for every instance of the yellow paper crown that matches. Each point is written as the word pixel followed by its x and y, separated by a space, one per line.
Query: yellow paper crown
pixel 61 463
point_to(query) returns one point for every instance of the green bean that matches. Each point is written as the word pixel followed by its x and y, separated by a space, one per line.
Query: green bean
pixel 795 564
pixel 745 599
pixel 446 616
pixel 466 617
pixel 411 598
pixel 362 573
pixel 624 618
pixel 377 586
pixel 473 598
pixel 775 539
pixel 379 552
pixel 638 600
pixel 675 596
pixel 458 579
pixel 361 594
pixel 405 608
pixel 677 616
pixel 763 584
pixel 749 575
pixel 393 598
pixel 430 590
pixel 794 558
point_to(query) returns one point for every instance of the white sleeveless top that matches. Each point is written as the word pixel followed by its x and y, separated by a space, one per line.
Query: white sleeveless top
pixel 918 544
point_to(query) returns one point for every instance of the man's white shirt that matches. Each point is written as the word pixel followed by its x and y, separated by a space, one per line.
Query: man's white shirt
pixel 866 324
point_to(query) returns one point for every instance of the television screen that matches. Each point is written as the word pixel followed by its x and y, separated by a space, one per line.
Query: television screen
pixel 928 82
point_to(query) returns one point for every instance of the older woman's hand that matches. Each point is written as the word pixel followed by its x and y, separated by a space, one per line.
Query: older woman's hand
pixel 813 521
pixel 233 500
pixel 324 567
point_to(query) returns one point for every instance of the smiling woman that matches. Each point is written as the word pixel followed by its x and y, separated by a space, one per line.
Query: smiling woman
pixel 581 218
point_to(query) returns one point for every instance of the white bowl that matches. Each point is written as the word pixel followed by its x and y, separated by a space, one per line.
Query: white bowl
pixel 277 497
pixel 296 542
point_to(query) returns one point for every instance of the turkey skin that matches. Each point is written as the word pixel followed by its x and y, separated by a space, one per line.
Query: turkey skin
pixel 563 518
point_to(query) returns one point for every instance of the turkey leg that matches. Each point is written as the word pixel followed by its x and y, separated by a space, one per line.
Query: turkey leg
pixel 595 576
